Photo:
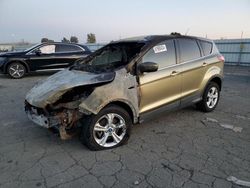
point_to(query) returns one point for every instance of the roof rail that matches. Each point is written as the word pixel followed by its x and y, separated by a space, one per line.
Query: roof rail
pixel 175 33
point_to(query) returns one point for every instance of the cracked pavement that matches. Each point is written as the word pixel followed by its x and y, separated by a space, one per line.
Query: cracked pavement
pixel 184 148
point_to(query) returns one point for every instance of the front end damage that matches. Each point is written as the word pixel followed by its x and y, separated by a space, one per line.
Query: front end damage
pixel 68 96
pixel 61 117
pixel 54 103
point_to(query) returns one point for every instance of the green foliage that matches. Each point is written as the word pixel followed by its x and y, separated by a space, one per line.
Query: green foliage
pixel 91 38
pixel 65 40
pixel 74 39
pixel 46 40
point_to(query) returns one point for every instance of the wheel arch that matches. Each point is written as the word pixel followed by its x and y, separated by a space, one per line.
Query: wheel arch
pixel 16 61
pixel 217 79
pixel 126 106
pixel 214 73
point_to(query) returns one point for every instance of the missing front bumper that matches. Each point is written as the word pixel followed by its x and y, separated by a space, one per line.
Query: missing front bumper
pixel 43 121
pixel 39 118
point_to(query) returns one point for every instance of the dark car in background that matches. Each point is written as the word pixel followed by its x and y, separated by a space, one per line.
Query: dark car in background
pixel 45 56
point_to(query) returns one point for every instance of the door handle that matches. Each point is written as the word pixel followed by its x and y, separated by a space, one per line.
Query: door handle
pixel 204 64
pixel 174 73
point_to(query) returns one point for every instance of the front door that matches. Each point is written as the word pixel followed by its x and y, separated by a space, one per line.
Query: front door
pixel 163 87
pixel 42 60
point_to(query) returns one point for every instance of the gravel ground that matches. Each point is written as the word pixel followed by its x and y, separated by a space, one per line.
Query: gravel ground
pixel 184 148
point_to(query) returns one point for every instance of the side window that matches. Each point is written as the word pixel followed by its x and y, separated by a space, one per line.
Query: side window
pixel 47 49
pixel 206 47
pixel 163 54
pixel 189 49
pixel 60 48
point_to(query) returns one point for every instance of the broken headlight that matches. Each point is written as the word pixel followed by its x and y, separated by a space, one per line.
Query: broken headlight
pixel 76 93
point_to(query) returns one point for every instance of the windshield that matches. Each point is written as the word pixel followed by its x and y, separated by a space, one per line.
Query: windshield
pixel 30 48
pixel 109 57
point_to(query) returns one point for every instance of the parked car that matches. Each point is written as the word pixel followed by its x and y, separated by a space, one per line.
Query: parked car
pixel 95 46
pixel 127 82
pixel 45 56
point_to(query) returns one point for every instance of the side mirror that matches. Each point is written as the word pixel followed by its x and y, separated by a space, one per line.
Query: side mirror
pixel 38 52
pixel 148 67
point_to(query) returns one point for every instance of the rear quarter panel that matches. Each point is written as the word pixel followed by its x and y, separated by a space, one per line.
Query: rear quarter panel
pixel 212 70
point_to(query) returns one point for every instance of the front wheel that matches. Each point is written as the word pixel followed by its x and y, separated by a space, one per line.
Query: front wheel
pixel 16 70
pixel 108 129
pixel 210 98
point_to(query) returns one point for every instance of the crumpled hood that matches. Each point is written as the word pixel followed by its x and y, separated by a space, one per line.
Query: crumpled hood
pixel 51 89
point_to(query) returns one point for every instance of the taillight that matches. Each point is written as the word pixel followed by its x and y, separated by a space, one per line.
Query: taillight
pixel 221 58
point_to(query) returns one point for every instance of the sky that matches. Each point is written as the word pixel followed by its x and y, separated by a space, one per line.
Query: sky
pixel 31 20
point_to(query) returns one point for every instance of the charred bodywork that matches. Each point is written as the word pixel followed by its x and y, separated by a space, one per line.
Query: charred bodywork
pixel 119 75
pixel 69 95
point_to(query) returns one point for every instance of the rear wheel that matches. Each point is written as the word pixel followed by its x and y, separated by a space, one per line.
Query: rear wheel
pixel 108 129
pixel 16 70
pixel 210 98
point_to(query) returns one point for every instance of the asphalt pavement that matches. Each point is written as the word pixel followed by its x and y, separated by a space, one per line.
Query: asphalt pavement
pixel 184 148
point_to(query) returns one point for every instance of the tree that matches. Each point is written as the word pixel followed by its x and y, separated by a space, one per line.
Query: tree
pixel 73 39
pixel 91 38
pixel 65 40
pixel 44 40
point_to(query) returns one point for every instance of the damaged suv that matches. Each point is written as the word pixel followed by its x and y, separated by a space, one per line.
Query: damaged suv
pixel 127 82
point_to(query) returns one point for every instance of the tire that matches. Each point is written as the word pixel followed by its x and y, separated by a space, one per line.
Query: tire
pixel 108 129
pixel 16 70
pixel 210 98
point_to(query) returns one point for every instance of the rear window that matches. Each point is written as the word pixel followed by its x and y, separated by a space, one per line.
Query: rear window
pixel 189 49
pixel 67 48
pixel 206 47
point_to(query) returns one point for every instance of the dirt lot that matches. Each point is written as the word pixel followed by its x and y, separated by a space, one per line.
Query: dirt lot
pixel 184 148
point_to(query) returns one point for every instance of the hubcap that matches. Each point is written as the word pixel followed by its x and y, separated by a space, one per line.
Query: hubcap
pixel 109 130
pixel 212 97
pixel 16 70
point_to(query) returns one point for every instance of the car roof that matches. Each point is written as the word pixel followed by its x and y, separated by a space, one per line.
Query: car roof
pixel 152 38
pixel 61 43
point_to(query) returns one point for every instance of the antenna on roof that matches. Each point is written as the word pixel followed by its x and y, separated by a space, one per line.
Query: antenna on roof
pixel 187 31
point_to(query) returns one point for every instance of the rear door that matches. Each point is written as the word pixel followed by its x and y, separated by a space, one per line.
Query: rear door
pixel 67 54
pixel 163 86
pixel 192 68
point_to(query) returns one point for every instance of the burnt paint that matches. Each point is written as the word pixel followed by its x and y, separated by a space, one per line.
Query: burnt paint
pixel 51 89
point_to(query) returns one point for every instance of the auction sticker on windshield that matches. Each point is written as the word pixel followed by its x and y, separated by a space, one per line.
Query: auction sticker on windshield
pixel 160 48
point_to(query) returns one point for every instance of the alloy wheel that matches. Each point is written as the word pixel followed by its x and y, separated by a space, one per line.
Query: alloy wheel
pixel 16 70
pixel 109 130
pixel 212 97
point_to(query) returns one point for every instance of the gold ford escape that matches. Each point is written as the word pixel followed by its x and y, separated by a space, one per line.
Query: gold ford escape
pixel 127 82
